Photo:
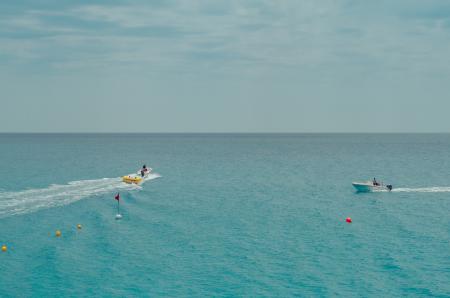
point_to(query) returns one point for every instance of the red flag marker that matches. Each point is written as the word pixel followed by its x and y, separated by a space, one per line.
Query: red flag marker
pixel 118 215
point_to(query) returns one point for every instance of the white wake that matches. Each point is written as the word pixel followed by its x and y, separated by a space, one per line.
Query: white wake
pixel 25 201
pixel 423 189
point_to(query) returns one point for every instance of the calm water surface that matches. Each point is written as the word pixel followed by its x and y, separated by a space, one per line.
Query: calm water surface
pixel 230 215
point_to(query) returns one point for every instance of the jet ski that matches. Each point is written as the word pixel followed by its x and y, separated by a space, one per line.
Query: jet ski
pixel 369 186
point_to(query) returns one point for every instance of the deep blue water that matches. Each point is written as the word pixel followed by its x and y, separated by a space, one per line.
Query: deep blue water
pixel 231 215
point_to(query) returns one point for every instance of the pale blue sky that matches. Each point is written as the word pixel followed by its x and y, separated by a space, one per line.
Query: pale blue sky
pixel 225 66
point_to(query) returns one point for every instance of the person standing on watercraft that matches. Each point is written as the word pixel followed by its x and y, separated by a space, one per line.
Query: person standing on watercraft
pixel 375 183
pixel 144 170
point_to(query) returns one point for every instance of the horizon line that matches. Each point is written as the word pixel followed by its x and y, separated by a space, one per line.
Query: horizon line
pixel 225 132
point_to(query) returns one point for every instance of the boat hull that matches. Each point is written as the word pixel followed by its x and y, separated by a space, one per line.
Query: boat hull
pixel 369 187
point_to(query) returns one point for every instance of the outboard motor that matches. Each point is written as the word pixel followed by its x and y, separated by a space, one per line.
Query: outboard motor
pixel 389 186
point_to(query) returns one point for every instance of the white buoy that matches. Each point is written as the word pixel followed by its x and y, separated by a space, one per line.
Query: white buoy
pixel 118 216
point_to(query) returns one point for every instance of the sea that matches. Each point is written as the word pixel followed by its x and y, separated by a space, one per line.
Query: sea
pixel 224 215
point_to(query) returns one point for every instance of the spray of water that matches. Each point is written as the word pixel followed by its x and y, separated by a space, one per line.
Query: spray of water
pixel 30 200
pixel 423 189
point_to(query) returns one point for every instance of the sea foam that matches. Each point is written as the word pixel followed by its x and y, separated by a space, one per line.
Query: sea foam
pixel 30 200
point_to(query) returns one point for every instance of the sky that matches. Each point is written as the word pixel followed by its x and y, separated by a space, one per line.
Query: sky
pixel 225 66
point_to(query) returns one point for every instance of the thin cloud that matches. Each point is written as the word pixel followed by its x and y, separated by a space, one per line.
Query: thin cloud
pixel 269 34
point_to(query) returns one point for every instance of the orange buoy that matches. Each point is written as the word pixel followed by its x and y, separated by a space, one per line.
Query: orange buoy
pixel 348 219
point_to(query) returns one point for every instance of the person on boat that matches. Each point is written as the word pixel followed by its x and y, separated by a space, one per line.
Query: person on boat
pixel 144 170
pixel 375 183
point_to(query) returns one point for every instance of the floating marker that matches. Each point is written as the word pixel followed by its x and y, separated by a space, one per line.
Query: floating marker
pixel 79 226
pixel 348 219
pixel 4 248
pixel 117 197
pixel 58 233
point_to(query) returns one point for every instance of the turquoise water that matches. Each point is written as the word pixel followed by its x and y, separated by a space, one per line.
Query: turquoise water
pixel 230 215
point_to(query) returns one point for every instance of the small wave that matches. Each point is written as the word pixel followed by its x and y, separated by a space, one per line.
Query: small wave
pixel 423 189
pixel 26 201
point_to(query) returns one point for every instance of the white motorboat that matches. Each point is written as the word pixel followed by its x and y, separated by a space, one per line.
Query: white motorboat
pixel 144 174
pixel 369 186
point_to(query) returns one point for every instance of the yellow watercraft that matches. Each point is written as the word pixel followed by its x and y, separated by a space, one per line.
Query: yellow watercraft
pixel 132 179
pixel 138 177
